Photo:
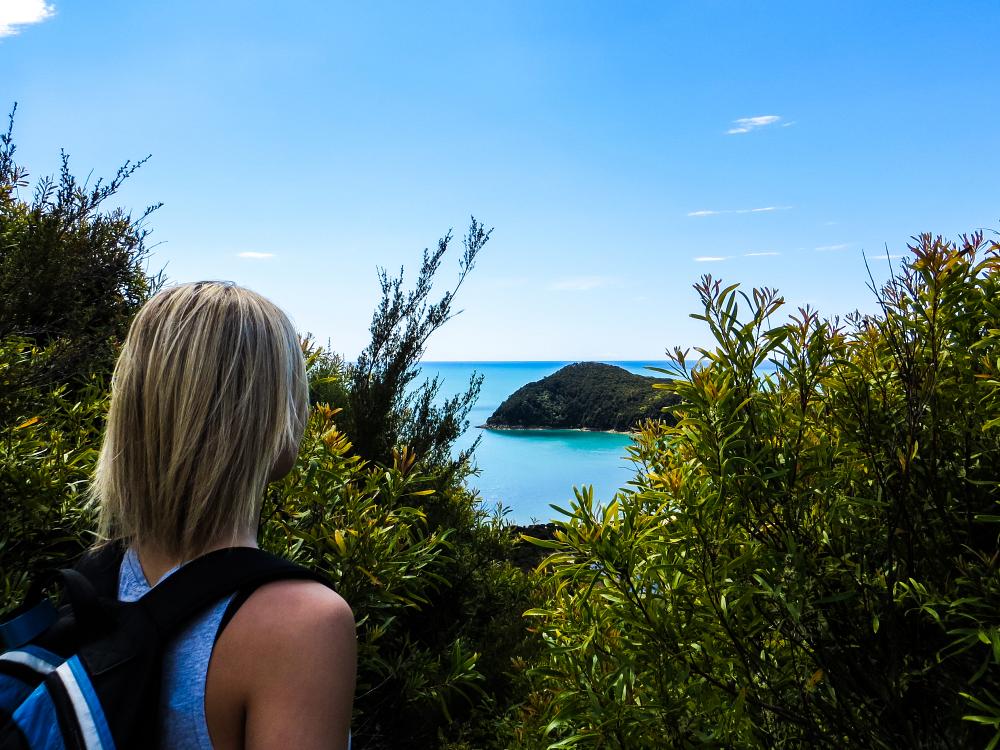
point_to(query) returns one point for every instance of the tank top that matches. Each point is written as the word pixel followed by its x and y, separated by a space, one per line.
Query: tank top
pixel 185 665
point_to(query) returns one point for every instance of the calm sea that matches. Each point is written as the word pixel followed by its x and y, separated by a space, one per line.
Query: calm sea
pixel 528 470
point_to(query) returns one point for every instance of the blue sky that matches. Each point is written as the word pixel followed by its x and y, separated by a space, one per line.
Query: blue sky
pixel 620 149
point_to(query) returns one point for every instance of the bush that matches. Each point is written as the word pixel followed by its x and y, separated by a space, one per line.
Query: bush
pixel 420 669
pixel 383 410
pixel 809 557
pixel 439 637
pixel 71 278
pixel 328 375
pixel 47 453
pixel 358 524
pixel 72 275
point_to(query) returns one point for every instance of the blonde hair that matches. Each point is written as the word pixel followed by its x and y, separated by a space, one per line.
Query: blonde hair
pixel 209 391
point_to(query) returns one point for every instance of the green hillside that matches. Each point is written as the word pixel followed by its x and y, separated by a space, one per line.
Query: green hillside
pixel 585 395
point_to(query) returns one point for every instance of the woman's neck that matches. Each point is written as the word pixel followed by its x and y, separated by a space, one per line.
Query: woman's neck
pixel 155 563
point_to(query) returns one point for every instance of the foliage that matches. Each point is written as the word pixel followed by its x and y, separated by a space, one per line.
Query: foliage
pixel 328 375
pixel 809 557
pixel 71 278
pixel 47 451
pixel 72 275
pixel 360 524
pixel 425 568
pixel 356 523
pixel 383 411
pixel 440 669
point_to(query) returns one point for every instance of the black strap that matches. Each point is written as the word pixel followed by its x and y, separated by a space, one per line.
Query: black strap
pixel 101 565
pixel 207 579
pixel 235 603
pixel 66 715
pixel 88 611
pixel 83 597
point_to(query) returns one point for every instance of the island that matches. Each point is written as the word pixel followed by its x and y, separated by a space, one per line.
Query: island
pixel 584 396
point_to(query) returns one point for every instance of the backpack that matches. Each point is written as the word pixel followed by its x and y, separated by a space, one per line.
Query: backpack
pixel 86 675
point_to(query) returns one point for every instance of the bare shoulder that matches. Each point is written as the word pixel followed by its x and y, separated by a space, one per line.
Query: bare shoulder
pixel 290 626
pixel 287 664
pixel 294 609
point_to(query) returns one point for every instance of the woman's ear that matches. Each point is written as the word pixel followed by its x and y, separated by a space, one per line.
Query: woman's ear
pixel 284 463
pixel 286 459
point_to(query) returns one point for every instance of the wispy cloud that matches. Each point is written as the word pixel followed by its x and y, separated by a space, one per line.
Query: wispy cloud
pixel 759 255
pixel 831 248
pixel 710 258
pixel 761 210
pixel 14 13
pixel 579 283
pixel 258 256
pixel 746 124
pixel 888 257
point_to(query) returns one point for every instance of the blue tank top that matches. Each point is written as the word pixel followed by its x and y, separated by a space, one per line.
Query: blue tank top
pixel 185 665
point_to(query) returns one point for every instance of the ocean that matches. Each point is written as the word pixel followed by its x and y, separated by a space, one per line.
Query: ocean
pixel 527 471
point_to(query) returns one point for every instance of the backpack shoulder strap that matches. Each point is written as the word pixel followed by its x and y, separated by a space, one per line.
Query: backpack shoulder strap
pixel 101 566
pixel 92 578
pixel 234 604
pixel 205 580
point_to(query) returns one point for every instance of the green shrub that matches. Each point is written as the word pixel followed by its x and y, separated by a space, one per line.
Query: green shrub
pixel 426 572
pixel 809 557
pixel 72 276
pixel 47 452
pixel 444 672
pixel 72 273
pixel 384 409
pixel 328 375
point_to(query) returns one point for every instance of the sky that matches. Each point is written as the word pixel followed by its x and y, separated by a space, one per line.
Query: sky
pixel 620 150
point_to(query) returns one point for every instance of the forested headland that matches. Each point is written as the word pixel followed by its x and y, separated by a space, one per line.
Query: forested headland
pixel 587 396
pixel 805 558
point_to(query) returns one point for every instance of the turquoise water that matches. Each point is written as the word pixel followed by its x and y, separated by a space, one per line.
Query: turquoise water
pixel 528 470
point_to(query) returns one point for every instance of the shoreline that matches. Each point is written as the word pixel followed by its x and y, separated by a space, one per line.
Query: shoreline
pixel 517 428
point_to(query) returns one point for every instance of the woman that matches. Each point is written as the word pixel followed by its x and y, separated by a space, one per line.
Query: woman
pixel 209 401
